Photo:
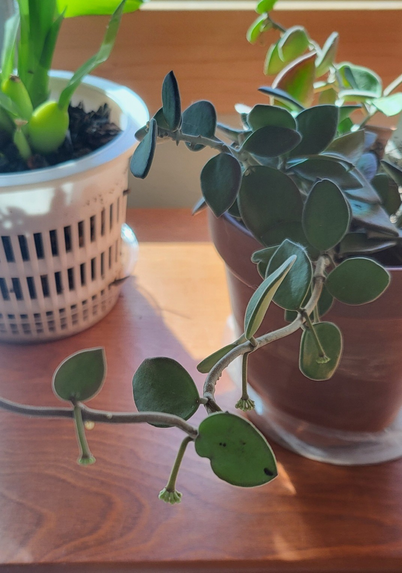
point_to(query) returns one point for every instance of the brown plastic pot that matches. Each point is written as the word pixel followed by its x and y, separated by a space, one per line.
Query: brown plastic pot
pixel 364 395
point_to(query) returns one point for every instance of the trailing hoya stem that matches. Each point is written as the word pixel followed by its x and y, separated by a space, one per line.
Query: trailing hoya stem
pixel 245 403
pixel 322 357
pixel 86 458
pixel 178 136
pixel 251 346
pixel 169 494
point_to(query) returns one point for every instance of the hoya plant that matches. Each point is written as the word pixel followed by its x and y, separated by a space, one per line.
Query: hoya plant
pixel 35 123
pixel 304 73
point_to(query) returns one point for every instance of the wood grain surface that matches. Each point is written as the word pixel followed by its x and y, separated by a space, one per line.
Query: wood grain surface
pixel 210 55
pixel 312 518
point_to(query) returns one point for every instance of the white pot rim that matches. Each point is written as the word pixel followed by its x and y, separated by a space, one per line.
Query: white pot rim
pixel 131 105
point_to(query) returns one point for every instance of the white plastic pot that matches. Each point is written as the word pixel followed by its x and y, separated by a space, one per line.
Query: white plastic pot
pixel 60 228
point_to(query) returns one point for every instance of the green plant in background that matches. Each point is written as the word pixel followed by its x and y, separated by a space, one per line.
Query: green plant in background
pixel 35 123
pixel 308 73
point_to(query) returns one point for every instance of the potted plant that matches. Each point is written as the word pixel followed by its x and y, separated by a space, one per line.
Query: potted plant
pixel 65 143
pixel 279 187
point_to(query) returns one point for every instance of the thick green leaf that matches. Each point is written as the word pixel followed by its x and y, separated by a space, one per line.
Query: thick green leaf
pixel 262 297
pixel 323 167
pixel 317 125
pixel 141 161
pixel 260 25
pixel 88 7
pixel 311 363
pixel 273 63
pixel 8 48
pixel 393 171
pixel 268 198
pixel 199 119
pixel 327 56
pixel 163 385
pixel 171 105
pixel 345 126
pixel 297 282
pixel 100 57
pixel 292 230
pixel 388 192
pixel 262 115
pixel 297 79
pixel 326 215
pixel 160 119
pixel 265 6
pixel 238 453
pixel 350 145
pixel 293 43
pixel 389 105
pixel 80 376
pixel 359 243
pixel 357 281
pixel 209 362
pixel 360 78
pixel 282 96
pixel 271 141
pixel 220 182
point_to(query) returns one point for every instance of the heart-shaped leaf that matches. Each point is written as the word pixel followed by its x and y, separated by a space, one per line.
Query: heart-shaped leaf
pixel 262 297
pixel 297 79
pixel 171 101
pixel 317 125
pixel 311 362
pixel 141 160
pixel 199 119
pixel 327 56
pixel 262 115
pixel 326 215
pixel 268 198
pixel 220 182
pixel 282 96
pixel 80 376
pixel 357 281
pixel 297 282
pixel 163 385
pixel 238 453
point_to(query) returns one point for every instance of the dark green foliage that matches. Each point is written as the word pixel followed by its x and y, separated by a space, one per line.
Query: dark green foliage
pixel 171 101
pixel 312 362
pixel 141 161
pixel 80 376
pixel 220 182
pixel 199 119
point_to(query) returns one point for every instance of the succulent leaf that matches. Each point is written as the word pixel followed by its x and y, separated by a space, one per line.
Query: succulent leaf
pixel 310 362
pixel 80 376
pixel 317 125
pixel 171 101
pixel 141 160
pixel 199 119
pixel 297 79
pixel 220 182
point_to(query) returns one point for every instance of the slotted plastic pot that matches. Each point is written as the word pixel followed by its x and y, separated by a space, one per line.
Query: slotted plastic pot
pixel 60 228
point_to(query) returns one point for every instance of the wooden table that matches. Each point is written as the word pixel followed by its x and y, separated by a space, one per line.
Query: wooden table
pixel 107 517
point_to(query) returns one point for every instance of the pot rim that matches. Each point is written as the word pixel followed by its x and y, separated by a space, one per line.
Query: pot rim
pixel 131 105
pixel 243 229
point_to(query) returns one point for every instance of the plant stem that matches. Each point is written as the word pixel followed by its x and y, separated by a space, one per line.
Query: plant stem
pixel 275 25
pixel 196 140
pixel 321 352
pixel 216 372
pixel 244 372
pixel 171 484
pixel 89 415
pixel 86 457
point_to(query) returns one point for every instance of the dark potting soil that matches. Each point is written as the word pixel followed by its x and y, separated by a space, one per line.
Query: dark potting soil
pixel 88 131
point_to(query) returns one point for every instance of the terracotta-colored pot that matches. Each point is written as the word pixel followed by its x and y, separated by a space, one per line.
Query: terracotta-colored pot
pixel 364 395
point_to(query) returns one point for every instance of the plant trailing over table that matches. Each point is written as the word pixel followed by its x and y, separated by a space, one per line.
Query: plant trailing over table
pixel 35 123
pixel 322 206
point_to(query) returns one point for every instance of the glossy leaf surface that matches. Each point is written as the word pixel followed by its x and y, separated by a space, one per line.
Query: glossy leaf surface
pixel 326 215
pixel 163 385
pixel 80 376
pixel 271 141
pixel 261 258
pixel 171 101
pixel 317 126
pixel 141 160
pixel 262 297
pixel 238 453
pixel 282 96
pixel 310 361
pixel 357 281
pixel 297 282
pixel 220 182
